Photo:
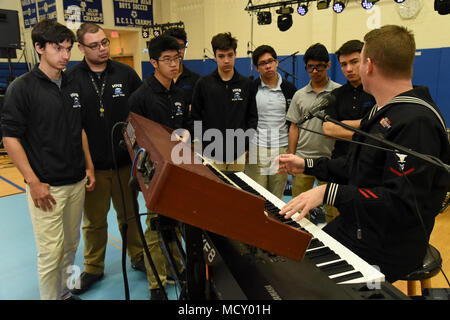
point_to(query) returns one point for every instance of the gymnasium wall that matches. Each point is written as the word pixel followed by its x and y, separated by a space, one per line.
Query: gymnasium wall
pixel 205 18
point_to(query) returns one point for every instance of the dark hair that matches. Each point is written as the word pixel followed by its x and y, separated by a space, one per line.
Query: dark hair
pixel 177 33
pixel 86 28
pixel 392 48
pixel 51 31
pixel 350 47
pixel 258 52
pixel 160 44
pixel 316 52
pixel 223 41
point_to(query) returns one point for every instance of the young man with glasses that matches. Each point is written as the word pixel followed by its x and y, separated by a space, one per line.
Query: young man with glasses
pixel 185 79
pixel 42 132
pixel 105 88
pixel 225 101
pixel 158 99
pixel 273 97
pixel 302 142
pixel 387 200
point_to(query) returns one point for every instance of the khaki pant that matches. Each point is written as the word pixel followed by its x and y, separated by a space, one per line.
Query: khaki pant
pixel 262 172
pixel 237 165
pixel 57 235
pixel 302 183
pixel 162 265
pixel 95 223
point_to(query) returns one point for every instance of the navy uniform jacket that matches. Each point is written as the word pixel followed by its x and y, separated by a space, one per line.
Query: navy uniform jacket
pixel 380 194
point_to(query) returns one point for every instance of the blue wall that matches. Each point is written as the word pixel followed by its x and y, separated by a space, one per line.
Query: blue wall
pixel 431 68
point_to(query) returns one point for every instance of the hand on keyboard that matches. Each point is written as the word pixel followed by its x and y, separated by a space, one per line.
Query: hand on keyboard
pixel 304 202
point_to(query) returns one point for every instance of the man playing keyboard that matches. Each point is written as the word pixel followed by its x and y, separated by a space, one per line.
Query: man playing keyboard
pixel 387 200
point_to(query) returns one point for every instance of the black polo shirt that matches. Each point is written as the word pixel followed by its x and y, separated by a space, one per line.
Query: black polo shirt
pixel 47 120
pixel 351 104
pixel 119 82
pixel 186 81
pixel 167 107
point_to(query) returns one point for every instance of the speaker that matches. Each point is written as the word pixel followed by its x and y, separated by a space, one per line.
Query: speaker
pixel 9 29
pixel 442 6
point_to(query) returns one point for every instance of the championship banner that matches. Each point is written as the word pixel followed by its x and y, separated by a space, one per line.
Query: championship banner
pixel 83 11
pixel 135 13
pixel 46 9
pixel 29 13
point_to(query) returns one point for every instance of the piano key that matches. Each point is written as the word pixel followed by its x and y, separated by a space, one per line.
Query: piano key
pixel 336 267
pixel 348 277
pixel 318 252
pixel 315 243
pixel 366 272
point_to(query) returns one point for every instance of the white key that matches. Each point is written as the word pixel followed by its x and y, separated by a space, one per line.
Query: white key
pixel 370 274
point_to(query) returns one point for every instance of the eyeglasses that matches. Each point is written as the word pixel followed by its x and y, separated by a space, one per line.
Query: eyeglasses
pixel 96 45
pixel 318 68
pixel 263 63
pixel 168 60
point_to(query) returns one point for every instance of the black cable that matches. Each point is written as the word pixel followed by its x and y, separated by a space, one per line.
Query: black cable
pixel 145 246
pixel 125 222
pixel 347 140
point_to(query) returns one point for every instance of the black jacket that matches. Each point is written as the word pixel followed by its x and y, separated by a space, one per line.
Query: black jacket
pixel 121 81
pixel 383 193
pixel 224 105
pixel 167 107
pixel 47 120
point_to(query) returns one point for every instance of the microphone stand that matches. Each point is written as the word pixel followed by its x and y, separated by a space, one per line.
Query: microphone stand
pixel 403 149
pixel 286 74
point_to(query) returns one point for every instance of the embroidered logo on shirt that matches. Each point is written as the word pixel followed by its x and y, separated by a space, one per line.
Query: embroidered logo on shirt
pixel 237 95
pixel 118 92
pixel 385 123
pixel 76 100
pixel 179 106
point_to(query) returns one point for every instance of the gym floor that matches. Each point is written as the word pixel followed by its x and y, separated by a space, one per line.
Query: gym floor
pixel 18 254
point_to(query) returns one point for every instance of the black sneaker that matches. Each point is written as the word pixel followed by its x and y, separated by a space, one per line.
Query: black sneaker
pixel 86 281
pixel 139 266
pixel 157 294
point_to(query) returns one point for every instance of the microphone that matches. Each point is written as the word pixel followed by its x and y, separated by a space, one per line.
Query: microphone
pixel 323 103
pixel 204 55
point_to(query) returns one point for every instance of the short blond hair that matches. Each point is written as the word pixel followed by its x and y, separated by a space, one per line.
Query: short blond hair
pixel 392 48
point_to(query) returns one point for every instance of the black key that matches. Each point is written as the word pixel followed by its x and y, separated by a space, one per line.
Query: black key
pixel 350 276
pixel 336 267
pixel 315 243
pixel 325 258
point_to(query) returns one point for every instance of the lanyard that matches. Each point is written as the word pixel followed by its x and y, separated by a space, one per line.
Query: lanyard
pixel 99 93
